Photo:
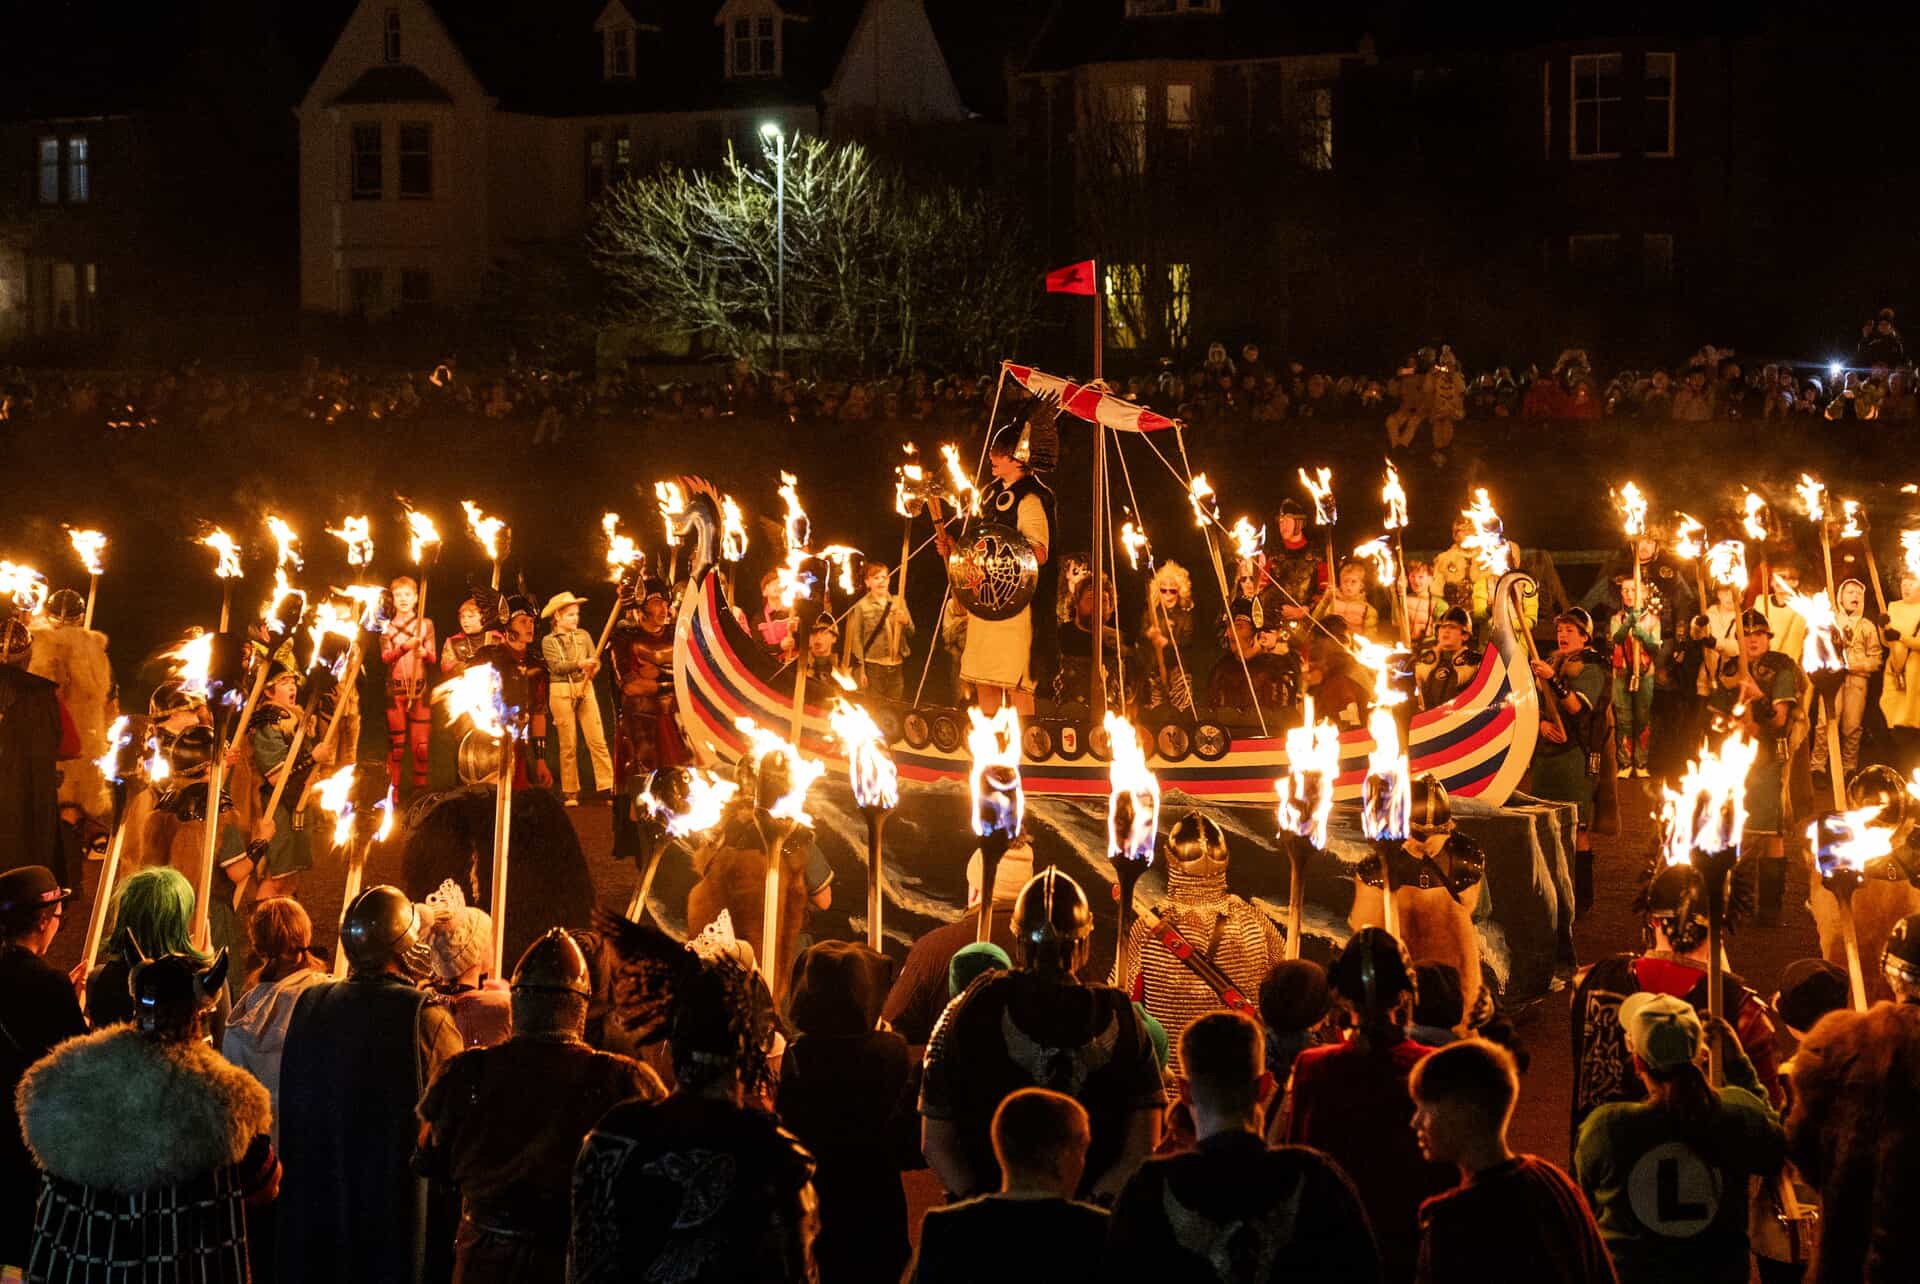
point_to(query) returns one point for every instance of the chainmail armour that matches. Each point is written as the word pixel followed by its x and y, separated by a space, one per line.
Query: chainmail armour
pixel 1221 927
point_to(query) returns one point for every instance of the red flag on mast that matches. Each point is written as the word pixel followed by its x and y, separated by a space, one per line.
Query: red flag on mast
pixel 1075 278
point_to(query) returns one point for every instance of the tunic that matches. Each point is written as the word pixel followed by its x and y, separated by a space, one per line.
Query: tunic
pixel 1560 770
pixel 1778 679
pixel 999 653
pixel 505 1125
pixel 1900 697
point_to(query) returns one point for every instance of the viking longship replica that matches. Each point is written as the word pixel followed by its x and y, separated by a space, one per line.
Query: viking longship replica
pixel 1478 745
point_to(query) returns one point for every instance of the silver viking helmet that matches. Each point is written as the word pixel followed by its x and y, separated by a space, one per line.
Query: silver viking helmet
pixel 65 606
pixel 1197 847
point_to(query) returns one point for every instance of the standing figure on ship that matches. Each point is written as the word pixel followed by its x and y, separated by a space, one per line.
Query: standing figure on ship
pixel 1004 659
pixel 408 651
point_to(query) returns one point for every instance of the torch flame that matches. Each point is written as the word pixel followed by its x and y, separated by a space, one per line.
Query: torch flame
pixel 1320 486
pixel 1133 801
pixel 228 566
pixel 89 545
pixel 844 557
pixel 707 799
pixel 1851 511
pixel 622 552
pixel 802 771
pixel 421 532
pixel 284 541
pixel 1822 652
pixel 1727 564
pixel 1380 553
pixel 1383 662
pixel 329 621
pixel 1134 539
pixel 1709 810
pixel 1306 791
pixel 283 590
pixel 1633 509
pixel 486 530
pixel 733 530
pixel 335 796
pixel 672 502
pixel 1910 548
pixel 1488 543
pixel 357 534
pixel 1386 805
pixel 1395 499
pixel 28 586
pixel 1754 523
pixel 1200 495
pixel 118 738
pixel 1247 541
pixel 909 483
pixel 1686 538
pixel 369 598
pixel 964 495
pixel 798 529
pixel 192 660
pixel 476 695
pixel 876 782
pixel 1813 497
pixel 1847 841
pixel 999 802
pixel 156 766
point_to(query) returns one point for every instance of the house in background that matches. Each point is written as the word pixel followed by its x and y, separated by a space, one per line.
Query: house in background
pixel 440 137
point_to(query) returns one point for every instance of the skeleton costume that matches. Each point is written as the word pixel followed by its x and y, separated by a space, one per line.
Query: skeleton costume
pixel 1214 924
pixel 150 1143
pixel 408 650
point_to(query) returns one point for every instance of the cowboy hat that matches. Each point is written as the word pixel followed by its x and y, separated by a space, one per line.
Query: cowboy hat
pixel 559 600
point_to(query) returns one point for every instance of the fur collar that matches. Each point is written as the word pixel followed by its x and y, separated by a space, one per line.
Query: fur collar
pixel 119 1111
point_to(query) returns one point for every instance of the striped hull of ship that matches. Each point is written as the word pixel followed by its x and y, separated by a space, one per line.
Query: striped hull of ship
pixel 1478 745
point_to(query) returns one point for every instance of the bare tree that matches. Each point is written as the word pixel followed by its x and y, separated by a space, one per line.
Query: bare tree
pixel 880 272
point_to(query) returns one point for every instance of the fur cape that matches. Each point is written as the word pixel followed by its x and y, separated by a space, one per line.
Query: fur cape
pixel 75 661
pixel 733 877
pixel 1877 906
pixel 118 1111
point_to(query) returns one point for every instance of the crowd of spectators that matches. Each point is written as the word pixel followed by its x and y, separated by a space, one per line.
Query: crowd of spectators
pixel 1876 380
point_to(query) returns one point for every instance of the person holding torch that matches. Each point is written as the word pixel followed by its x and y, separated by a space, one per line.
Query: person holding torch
pixel 1764 702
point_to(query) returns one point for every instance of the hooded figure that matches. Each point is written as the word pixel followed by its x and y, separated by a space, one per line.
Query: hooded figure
pixel 150 1142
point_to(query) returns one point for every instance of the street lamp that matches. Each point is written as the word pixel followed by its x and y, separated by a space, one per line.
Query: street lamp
pixel 771 130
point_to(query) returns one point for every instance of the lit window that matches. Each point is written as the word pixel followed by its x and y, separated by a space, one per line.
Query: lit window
pixel 391 44
pixel 619 53
pixel 416 161
pixel 1595 252
pixel 596 161
pixel 1180 122
pixel 1179 305
pixel 366 162
pixel 79 184
pixel 1132 308
pixel 416 288
pixel 1313 127
pixel 1656 260
pixel 622 150
pixel 49 171
pixel 1658 99
pixel 1126 119
pixel 1595 117
pixel 1123 304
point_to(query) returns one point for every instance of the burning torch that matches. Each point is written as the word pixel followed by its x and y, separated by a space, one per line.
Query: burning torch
pixel 120 764
pixel 1846 848
pixel 1700 824
pixel 88 546
pixel 1633 513
pixel 999 801
pixel 1825 663
pixel 625 564
pixel 476 695
pixel 1326 513
pixel 1395 498
pixel 675 802
pixel 782 775
pixel 1689 545
pixel 1133 827
pixel 1306 801
pixel 876 788
pixel 423 548
pixel 226 567
pixel 359 797
pixel 496 538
